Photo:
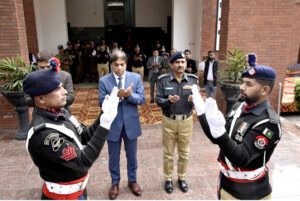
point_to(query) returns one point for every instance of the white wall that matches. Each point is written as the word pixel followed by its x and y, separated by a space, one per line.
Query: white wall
pixel 85 13
pixel 186 26
pixel 152 13
pixel 51 24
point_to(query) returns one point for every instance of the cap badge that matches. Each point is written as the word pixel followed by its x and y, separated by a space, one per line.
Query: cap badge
pixel 251 71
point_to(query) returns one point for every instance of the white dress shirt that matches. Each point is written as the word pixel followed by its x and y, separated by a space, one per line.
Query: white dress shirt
pixel 122 80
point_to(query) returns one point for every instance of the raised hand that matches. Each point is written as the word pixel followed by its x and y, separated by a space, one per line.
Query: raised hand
pixel 215 118
pixel 109 108
pixel 128 91
pixel 197 100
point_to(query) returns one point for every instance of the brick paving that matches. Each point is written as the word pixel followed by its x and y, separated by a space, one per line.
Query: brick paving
pixel 19 178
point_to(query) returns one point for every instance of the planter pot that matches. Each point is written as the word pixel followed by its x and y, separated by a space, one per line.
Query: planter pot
pixel 231 93
pixel 17 99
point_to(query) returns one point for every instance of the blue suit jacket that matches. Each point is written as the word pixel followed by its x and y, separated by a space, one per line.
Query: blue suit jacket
pixel 127 110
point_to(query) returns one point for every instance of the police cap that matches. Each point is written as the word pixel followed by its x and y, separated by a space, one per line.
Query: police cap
pixel 260 72
pixel 43 81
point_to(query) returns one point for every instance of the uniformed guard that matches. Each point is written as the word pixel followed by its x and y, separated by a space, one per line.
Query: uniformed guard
pixel 247 136
pixel 174 96
pixel 64 59
pixel 55 138
pixel 139 59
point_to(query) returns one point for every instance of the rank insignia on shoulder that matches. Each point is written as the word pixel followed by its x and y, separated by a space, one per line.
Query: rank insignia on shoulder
pixel 54 140
pixel 268 133
pixel 169 88
pixel 49 137
pixel 68 153
pixel 261 142
pixel 188 86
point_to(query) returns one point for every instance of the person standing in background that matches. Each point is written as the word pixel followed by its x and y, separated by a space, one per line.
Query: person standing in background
pixel 154 64
pixel 138 61
pixel 102 58
pixel 191 63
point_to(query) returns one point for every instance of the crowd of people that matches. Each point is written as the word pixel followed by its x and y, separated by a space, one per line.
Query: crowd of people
pixel 91 61
pixel 64 150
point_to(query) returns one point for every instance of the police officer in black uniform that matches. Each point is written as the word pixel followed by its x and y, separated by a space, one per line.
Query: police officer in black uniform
pixel 139 60
pixel 55 138
pixel 247 136
pixel 174 96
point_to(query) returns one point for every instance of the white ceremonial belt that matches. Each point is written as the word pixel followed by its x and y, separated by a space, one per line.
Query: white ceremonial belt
pixel 66 189
pixel 243 175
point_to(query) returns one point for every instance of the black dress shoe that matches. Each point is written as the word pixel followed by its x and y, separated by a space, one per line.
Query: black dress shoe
pixel 183 186
pixel 169 187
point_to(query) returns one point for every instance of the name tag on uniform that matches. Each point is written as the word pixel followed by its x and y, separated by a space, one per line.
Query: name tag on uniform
pixel 169 88
pixel 188 86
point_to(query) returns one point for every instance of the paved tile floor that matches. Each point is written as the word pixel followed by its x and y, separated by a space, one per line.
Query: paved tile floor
pixel 19 178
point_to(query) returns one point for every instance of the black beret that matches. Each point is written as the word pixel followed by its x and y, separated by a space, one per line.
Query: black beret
pixel 260 72
pixel 60 47
pixel 177 55
pixel 43 81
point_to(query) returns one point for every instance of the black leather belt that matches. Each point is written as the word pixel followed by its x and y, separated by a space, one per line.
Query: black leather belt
pixel 177 116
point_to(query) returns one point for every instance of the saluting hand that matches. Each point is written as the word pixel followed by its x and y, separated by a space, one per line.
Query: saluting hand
pixel 215 118
pixel 110 109
pixel 197 100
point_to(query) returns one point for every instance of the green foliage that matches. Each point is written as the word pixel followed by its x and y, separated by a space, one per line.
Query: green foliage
pixel 237 63
pixel 297 94
pixel 12 73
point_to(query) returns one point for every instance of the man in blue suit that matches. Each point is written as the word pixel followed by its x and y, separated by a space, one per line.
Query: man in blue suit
pixel 126 125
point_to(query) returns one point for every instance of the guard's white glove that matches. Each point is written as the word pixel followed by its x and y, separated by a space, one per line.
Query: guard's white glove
pixel 197 100
pixel 215 118
pixel 109 108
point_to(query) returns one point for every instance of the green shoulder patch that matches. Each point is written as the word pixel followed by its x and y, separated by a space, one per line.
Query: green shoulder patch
pixel 268 133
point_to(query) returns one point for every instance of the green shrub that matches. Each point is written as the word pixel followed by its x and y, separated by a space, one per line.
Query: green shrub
pixel 297 94
pixel 12 73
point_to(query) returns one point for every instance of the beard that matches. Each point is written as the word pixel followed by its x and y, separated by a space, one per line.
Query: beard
pixel 249 100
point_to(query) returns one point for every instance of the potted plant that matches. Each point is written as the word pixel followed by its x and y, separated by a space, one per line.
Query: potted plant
pixel 231 77
pixel 12 73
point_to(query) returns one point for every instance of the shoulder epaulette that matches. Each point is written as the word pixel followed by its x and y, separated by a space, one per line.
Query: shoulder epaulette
pixel 39 127
pixel 164 75
pixel 192 75
pixel 273 116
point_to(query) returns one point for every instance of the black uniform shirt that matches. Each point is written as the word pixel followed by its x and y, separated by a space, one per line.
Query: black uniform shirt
pixel 57 156
pixel 102 59
pixel 138 63
pixel 69 52
pixel 246 146
pixel 168 85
